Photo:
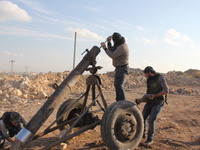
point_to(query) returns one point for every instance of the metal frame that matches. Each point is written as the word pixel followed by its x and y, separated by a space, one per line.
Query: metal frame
pixel 92 82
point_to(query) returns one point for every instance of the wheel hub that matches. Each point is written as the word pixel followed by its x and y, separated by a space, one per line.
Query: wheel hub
pixel 125 127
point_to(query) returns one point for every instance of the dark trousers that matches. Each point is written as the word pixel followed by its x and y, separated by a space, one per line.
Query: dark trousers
pixel 120 77
pixel 151 110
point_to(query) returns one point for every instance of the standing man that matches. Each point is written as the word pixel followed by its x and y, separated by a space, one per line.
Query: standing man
pixel 156 90
pixel 10 125
pixel 119 53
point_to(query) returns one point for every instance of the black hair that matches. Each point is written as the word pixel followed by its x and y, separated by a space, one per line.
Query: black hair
pixel 149 69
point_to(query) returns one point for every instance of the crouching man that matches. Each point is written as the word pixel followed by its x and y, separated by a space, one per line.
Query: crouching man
pixel 10 125
pixel 155 98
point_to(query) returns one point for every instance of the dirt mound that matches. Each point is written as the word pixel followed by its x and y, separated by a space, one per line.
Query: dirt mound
pixel 179 78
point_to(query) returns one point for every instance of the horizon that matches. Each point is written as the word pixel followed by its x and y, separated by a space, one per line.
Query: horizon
pixel 85 72
pixel 39 35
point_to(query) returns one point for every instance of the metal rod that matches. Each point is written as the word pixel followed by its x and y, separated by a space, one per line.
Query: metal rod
pixel 80 117
pixel 46 131
pixel 85 98
pixel 100 106
pixel 69 107
pixel 74 60
pixel 91 126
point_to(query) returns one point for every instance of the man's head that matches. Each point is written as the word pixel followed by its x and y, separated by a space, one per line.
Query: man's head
pixel 149 71
pixel 116 37
pixel 15 118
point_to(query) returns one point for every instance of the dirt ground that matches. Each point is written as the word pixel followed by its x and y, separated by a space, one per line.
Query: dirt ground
pixel 177 127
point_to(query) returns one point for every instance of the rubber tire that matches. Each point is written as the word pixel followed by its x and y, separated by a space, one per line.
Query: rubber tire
pixel 62 109
pixel 108 124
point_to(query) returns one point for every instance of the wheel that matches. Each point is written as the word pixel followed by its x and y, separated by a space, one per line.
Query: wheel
pixel 122 126
pixel 69 110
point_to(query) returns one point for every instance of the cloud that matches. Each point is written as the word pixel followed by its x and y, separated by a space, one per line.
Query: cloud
pixel 175 38
pixel 87 8
pixel 84 33
pixel 139 28
pixel 10 11
pixel 7 53
pixel 93 8
pixel 146 41
pixel 105 62
pixel 35 6
pixel 32 33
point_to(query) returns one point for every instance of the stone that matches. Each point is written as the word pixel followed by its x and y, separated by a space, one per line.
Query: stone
pixel 25 96
pixel 24 85
pixel 62 146
pixel 173 125
pixel 6 95
pixel 16 92
pixel 44 94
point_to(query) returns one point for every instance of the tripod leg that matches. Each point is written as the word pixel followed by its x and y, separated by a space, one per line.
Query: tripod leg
pixel 86 97
pixel 102 97
pixel 93 94
pixel 100 106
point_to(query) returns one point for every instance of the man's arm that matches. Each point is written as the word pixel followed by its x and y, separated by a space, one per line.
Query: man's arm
pixel 120 50
pixel 5 132
pixel 9 139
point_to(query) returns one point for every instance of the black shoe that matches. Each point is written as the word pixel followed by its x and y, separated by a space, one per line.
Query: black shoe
pixel 148 142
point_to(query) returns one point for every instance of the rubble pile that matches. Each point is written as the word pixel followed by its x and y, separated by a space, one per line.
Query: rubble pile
pixel 39 86
pixel 184 91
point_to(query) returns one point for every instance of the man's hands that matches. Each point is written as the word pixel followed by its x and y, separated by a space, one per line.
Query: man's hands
pixel 11 140
pixel 145 98
pixel 103 45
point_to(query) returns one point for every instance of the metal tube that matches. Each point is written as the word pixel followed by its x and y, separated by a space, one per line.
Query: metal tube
pixel 59 94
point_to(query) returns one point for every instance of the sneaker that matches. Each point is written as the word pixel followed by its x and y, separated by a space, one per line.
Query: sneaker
pixel 148 142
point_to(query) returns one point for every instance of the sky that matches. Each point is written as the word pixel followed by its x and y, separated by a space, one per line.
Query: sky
pixel 39 34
